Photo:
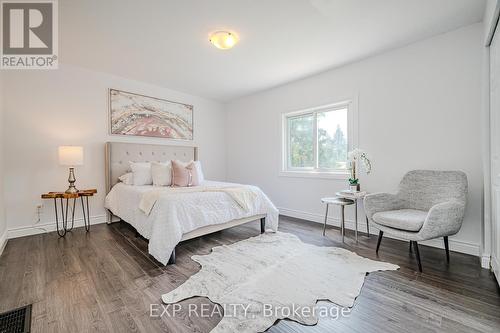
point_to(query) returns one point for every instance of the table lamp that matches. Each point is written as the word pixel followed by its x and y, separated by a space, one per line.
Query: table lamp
pixel 71 156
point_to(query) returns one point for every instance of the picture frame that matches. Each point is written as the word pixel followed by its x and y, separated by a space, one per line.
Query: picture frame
pixel 133 114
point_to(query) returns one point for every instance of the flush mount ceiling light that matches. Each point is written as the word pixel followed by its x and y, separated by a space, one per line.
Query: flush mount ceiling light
pixel 223 39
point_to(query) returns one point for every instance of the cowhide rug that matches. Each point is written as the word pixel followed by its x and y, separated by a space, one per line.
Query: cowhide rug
pixel 271 272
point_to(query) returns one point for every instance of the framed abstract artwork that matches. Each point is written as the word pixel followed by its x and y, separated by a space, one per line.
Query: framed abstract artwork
pixel 139 115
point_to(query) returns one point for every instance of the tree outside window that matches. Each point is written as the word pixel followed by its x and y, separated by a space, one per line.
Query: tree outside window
pixel 317 140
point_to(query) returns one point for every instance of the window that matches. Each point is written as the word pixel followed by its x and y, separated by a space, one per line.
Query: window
pixel 316 141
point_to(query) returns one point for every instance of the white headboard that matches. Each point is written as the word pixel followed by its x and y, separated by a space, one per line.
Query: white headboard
pixel 118 155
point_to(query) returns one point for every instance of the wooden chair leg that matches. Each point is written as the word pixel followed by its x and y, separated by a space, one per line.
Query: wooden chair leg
pixel 380 235
pixel 417 253
pixel 446 246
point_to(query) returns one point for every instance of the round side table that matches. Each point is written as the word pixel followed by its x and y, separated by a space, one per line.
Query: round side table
pixel 342 202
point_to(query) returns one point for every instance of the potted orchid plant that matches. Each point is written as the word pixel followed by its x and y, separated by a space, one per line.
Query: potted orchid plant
pixel 357 157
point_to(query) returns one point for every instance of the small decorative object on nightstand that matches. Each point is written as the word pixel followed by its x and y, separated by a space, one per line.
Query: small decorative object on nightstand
pixel 64 208
pixel 354 157
pixel 71 156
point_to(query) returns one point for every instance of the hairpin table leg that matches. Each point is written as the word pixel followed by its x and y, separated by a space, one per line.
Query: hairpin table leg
pixel 86 214
pixel 72 215
pixel 62 232
pixel 66 214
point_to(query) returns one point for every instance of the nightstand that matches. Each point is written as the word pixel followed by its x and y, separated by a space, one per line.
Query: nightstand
pixel 355 196
pixel 64 208
pixel 342 202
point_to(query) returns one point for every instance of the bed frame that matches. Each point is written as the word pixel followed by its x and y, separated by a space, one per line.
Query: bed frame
pixel 118 155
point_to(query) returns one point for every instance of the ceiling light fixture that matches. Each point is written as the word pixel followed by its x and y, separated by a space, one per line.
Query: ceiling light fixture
pixel 223 40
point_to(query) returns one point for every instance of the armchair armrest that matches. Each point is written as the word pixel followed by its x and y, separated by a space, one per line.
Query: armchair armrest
pixel 444 219
pixel 381 202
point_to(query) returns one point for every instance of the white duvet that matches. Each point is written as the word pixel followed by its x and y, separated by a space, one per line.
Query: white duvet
pixel 175 213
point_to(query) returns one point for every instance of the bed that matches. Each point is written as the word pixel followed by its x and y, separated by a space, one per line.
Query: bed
pixel 177 214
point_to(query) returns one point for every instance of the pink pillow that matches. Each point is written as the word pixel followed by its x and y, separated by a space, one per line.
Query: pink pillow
pixel 184 175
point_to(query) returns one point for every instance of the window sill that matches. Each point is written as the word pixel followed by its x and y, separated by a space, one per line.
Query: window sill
pixel 313 174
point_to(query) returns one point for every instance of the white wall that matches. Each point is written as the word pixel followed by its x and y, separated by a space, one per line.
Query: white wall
pixel 490 18
pixel 492 88
pixel 68 106
pixel 3 223
pixel 419 107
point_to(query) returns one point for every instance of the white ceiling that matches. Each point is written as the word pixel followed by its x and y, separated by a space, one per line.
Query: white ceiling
pixel 165 42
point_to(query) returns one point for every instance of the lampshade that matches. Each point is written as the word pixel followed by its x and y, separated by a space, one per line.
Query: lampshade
pixel 71 155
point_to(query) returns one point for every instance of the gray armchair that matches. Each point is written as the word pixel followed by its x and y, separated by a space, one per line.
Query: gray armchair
pixel 429 204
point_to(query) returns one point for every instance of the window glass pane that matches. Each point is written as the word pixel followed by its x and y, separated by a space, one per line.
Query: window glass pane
pixel 301 146
pixel 332 139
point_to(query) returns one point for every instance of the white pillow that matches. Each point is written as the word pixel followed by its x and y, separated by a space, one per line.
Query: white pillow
pixel 161 173
pixel 142 173
pixel 127 179
pixel 201 177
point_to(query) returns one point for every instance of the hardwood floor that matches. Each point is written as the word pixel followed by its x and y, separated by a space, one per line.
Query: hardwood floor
pixel 105 281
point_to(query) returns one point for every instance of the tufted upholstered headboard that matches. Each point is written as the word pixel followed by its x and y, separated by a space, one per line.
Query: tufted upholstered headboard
pixel 118 155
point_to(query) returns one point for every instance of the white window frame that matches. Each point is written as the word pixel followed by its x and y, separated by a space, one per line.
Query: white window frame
pixel 352 140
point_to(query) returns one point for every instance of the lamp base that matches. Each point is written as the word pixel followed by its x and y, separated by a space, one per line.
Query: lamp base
pixel 71 180
pixel 71 190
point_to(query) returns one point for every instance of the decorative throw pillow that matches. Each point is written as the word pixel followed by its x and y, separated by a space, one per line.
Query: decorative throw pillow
pixel 201 176
pixel 142 173
pixel 161 173
pixel 184 175
pixel 127 179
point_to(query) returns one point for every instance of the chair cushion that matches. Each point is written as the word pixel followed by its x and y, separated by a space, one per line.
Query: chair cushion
pixel 403 219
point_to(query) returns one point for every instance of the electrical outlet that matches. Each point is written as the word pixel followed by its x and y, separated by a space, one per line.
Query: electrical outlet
pixel 39 209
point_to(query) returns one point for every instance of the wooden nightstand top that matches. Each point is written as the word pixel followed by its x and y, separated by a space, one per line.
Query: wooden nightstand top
pixel 64 195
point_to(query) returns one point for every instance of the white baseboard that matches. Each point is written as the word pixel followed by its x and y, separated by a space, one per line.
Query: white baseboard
pixel 495 267
pixel 455 245
pixel 49 227
pixel 486 261
pixel 3 241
